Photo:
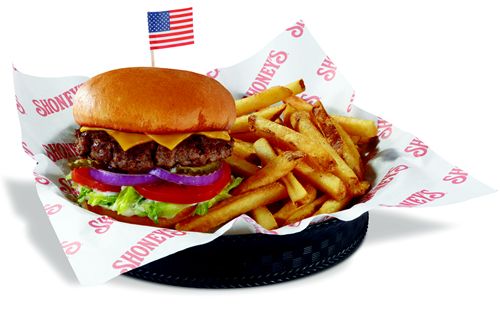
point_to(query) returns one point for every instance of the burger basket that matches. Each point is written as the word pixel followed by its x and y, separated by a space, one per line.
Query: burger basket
pixel 247 260
pixel 406 173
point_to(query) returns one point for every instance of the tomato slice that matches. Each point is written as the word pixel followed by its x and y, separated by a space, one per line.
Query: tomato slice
pixel 175 193
pixel 82 176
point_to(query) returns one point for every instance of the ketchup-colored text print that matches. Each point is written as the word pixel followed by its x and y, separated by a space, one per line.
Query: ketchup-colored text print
pixel 20 107
pixel 61 102
pixel 417 148
pixel 40 179
pixel 297 30
pixel 327 69
pixel 456 176
pixel 66 187
pixel 309 98
pixel 267 72
pixel 388 178
pixel 135 255
pixel 258 229
pixel 71 247
pixel 52 209
pixel 101 224
pixel 384 128
pixel 296 224
pixel 58 151
pixel 418 198
pixel 349 106
pixel 27 149
pixel 213 74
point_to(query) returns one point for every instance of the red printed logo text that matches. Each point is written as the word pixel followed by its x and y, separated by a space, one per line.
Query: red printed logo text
pixel 66 187
pixel 327 69
pixel 41 179
pixel 417 148
pixel 266 74
pixel 419 198
pixel 456 176
pixel 135 255
pixel 213 74
pixel 27 149
pixel 309 98
pixel 384 128
pixel 58 151
pixel 52 209
pixel 388 178
pixel 61 102
pixel 71 248
pixel 20 107
pixel 101 224
pixel 297 30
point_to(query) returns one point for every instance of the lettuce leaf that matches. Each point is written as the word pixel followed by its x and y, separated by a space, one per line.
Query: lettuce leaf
pixel 101 199
pixel 155 209
pixel 126 200
pixel 83 192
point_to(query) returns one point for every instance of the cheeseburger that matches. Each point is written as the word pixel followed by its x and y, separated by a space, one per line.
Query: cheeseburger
pixel 151 145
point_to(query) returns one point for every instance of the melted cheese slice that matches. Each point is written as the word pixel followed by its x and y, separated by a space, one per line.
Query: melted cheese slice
pixel 128 140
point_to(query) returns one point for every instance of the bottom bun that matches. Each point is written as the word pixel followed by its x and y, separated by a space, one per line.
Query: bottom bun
pixel 143 220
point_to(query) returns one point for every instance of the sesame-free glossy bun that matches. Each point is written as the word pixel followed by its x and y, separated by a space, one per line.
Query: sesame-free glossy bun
pixel 154 100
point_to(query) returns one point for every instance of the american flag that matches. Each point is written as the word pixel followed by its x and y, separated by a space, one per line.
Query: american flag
pixel 170 28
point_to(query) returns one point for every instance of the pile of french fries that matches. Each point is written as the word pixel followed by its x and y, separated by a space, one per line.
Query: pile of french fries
pixel 297 161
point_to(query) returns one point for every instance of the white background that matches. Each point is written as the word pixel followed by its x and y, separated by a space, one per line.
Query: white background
pixel 432 68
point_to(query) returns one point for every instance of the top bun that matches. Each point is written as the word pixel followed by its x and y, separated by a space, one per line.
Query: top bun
pixel 154 100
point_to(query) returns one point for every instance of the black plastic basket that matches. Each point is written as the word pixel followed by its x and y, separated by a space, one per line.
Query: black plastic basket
pixel 252 260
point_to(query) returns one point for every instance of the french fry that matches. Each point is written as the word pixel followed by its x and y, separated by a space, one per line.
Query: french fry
pixel 357 127
pixel 264 218
pixel 243 149
pixel 338 138
pixel 297 87
pixel 295 190
pixel 264 150
pixel 325 181
pixel 275 169
pixel 310 196
pixel 287 138
pixel 246 136
pixel 305 126
pixel 287 209
pixel 298 103
pixel 289 110
pixel 234 206
pixel 356 139
pixel 241 166
pixel 306 210
pixel 332 206
pixel 284 212
pixel 310 162
pixel 363 140
pixel 261 100
pixel 241 122
pixel 266 153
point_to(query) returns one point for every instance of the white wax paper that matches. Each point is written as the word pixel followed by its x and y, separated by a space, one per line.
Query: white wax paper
pixel 407 172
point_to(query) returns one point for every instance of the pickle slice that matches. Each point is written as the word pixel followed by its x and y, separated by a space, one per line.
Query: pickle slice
pixel 83 162
pixel 198 170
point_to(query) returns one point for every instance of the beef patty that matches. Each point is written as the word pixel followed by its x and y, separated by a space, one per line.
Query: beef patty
pixel 196 150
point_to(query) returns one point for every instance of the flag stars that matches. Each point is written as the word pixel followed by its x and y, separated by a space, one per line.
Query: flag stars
pixel 158 21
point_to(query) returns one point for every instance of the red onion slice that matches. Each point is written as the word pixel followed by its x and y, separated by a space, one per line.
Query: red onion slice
pixel 183 179
pixel 121 179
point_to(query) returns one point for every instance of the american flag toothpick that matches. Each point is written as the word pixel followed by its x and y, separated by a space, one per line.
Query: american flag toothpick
pixel 170 29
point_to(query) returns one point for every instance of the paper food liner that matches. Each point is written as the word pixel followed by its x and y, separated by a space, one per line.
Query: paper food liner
pixel 407 172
